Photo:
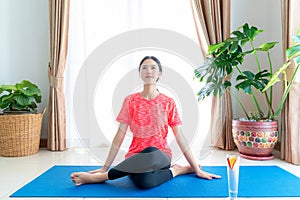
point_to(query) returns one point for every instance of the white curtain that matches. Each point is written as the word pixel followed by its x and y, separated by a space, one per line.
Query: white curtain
pixel 76 57
pixel 93 23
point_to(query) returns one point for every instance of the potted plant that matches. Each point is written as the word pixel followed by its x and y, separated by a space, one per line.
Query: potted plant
pixel 257 133
pixel 20 124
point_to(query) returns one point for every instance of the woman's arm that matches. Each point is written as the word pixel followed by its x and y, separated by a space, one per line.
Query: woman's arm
pixel 116 144
pixel 184 146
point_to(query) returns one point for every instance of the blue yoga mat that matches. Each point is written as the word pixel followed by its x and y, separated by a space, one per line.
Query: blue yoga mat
pixel 254 181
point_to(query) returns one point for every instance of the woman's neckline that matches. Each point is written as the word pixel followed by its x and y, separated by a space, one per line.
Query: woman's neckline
pixel 147 98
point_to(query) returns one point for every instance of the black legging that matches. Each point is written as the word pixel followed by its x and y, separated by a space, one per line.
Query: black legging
pixel 147 169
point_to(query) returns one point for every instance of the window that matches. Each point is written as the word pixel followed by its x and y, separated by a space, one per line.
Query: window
pixel 94 24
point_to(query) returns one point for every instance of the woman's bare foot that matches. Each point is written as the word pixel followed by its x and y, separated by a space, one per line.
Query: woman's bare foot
pixel 80 178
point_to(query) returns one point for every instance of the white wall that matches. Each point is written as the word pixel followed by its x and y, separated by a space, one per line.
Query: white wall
pixel 24 49
pixel 4 39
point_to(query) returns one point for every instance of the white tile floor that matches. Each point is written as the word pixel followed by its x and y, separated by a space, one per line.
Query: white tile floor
pixel 16 172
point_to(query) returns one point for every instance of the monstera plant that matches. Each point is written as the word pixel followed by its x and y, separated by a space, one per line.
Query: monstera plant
pixel 227 58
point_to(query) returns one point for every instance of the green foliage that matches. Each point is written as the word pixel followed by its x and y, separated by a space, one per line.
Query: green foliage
pixel 22 96
pixel 294 51
pixel 249 80
pixel 227 57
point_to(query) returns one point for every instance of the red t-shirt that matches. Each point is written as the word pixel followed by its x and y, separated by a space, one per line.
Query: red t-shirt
pixel 148 121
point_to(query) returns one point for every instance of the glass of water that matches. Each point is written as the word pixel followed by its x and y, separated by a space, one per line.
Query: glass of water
pixel 233 165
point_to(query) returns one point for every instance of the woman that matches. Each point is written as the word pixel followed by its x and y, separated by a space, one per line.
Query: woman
pixel 148 114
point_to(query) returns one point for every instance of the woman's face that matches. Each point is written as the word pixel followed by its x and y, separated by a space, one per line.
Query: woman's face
pixel 149 71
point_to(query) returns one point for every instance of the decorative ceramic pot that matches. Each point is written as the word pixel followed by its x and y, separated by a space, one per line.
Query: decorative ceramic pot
pixel 255 140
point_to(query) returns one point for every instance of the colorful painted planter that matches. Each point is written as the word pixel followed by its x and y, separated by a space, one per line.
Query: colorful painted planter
pixel 255 140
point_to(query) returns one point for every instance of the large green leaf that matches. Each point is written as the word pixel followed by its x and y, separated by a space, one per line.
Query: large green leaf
pixel 275 77
pixel 245 86
pixel 205 69
pixel 23 100
pixel 214 47
pixel 213 73
pixel 267 46
pixel 5 100
pixel 215 88
pixel 248 79
pixel 25 84
pixel 293 51
pixel 31 91
pixel 239 34
pixel 8 88
pixel 250 32
pixel 247 75
pixel 4 104
pixel 7 97
pixel 246 29
pixel 262 75
pixel 234 47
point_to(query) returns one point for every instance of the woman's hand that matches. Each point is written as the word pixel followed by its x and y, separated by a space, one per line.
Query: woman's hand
pixel 206 175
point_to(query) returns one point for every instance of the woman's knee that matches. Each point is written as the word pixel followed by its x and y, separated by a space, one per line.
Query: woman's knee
pixel 151 179
pixel 143 181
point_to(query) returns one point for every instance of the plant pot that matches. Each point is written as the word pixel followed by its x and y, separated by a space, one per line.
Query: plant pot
pixel 20 134
pixel 255 140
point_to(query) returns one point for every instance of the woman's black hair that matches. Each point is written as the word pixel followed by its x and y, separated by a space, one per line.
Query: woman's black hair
pixel 152 58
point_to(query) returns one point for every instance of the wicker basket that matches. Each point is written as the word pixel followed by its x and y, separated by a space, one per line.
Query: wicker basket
pixel 20 134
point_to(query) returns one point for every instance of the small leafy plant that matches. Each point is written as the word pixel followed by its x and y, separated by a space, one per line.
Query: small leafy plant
pixel 22 96
pixel 227 57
